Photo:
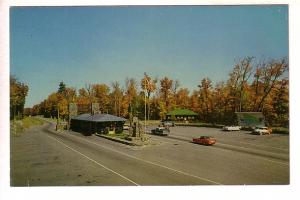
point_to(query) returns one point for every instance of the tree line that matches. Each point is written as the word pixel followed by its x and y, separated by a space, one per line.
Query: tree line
pixel 250 87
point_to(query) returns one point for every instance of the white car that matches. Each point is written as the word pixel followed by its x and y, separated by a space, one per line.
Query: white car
pixel 125 127
pixel 232 128
pixel 262 130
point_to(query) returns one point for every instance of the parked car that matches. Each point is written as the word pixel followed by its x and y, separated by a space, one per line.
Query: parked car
pixel 262 130
pixel 205 140
pixel 232 128
pixel 125 127
pixel 168 123
pixel 160 131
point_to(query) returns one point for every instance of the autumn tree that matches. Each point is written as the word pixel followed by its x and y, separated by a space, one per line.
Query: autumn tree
pixel 148 85
pixel 194 102
pixel 281 102
pixel 182 98
pixel 116 98
pixel 18 93
pixel 267 75
pixel 238 81
pixel 83 101
pixel 131 96
pixel 205 97
pixel 90 93
pixel 165 89
pixel 101 95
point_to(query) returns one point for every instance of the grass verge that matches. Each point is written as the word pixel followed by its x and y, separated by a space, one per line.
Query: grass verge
pixel 19 126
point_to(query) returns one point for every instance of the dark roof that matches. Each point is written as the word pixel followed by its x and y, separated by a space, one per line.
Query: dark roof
pixel 105 118
pixel 182 112
pixel 99 118
pixel 81 117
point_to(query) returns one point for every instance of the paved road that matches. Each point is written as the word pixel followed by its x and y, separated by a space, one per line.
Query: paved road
pixel 42 157
pixel 275 145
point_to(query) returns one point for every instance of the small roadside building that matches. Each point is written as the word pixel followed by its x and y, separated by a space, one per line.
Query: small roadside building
pixel 98 123
pixel 181 115
pixel 250 119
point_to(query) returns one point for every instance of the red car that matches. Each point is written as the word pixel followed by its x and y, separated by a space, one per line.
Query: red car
pixel 206 140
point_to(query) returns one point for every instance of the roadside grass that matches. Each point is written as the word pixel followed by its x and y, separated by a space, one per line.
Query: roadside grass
pixel 280 130
pixel 118 135
pixel 199 124
pixel 19 126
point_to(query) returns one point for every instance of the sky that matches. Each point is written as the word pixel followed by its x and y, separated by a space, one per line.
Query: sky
pixel 83 45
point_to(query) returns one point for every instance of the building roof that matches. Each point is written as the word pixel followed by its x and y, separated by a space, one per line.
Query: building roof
pixel 99 118
pixel 82 117
pixel 182 112
pixel 105 118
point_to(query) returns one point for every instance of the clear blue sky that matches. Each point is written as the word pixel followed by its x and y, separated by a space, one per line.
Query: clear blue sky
pixel 80 45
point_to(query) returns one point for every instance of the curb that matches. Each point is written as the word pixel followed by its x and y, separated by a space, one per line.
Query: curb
pixel 118 140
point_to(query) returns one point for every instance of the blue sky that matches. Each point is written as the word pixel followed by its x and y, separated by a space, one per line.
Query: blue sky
pixel 80 45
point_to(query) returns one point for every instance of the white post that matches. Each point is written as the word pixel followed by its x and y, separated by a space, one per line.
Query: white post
pixel 145 109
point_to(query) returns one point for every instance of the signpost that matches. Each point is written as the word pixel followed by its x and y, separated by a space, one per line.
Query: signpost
pixel 72 112
pixel 95 108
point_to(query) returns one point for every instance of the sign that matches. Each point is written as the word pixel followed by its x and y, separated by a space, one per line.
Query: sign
pixel 95 108
pixel 72 110
pixel 250 119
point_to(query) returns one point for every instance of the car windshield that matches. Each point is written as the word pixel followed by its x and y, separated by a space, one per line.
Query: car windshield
pixel 262 128
pixel 204 137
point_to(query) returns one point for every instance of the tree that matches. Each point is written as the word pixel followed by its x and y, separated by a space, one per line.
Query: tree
pixel 182 98
pixel 101 94
pixel 270 73
pixel 90 93
pixel 205 97
pixel 281 102
pixel 116 98
pixel 83 101
pixel 238 81
pixel 194 102
pixel 61 87
pixel 18 93
pixel 50 105
pixel 149 86
pixel 131 95
pixel 165 89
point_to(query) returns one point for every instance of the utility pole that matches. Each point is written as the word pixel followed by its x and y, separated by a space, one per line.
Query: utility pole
pixel 145 90
pixel 57 123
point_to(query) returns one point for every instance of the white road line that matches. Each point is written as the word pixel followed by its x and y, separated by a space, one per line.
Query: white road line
pixel 93 160
pixel 149 162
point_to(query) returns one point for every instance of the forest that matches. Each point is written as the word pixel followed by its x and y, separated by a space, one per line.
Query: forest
pixel 250 87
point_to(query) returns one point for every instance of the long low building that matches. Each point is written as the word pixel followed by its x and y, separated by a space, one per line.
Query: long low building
pixel 181 115
pixel 98 123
